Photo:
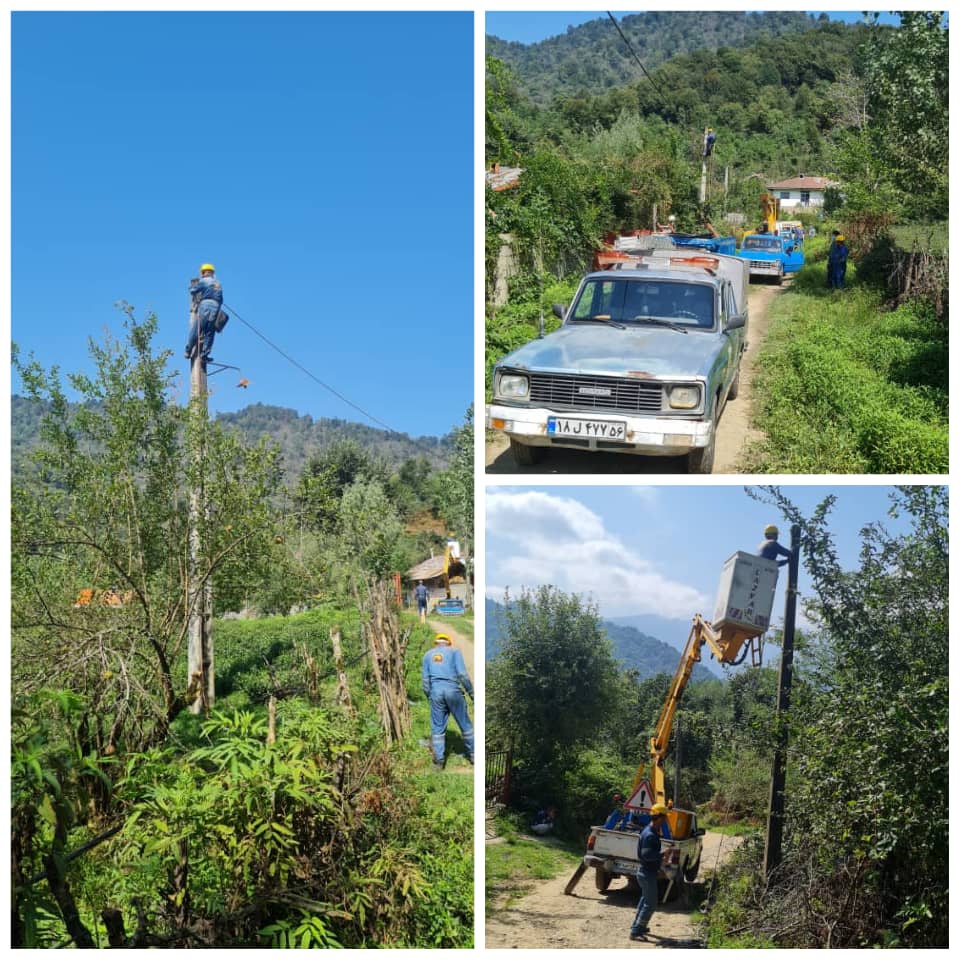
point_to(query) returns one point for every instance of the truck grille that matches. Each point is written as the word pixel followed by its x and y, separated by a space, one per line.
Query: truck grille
pixel 560 391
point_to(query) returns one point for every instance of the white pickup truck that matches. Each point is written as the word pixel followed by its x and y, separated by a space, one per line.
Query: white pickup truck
pixel 613 853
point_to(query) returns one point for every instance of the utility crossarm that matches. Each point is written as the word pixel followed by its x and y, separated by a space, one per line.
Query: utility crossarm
pixel 725 647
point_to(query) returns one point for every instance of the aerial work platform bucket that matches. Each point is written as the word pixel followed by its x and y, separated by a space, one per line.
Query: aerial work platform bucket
pixel 744 599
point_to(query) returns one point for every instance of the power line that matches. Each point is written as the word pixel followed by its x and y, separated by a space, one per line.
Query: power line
pixel 635 57
pixel 316 379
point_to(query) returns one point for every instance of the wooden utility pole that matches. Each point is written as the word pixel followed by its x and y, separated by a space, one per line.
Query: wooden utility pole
pixel 199 587
pixel 778 779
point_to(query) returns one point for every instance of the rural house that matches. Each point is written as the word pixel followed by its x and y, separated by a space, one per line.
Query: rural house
pixel 800 191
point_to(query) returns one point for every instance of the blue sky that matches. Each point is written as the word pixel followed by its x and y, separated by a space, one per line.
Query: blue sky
pixel 652 551
pixel 321 161
pixel 530 27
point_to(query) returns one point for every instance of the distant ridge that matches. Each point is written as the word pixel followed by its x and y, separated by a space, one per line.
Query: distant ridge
pixel 299 436
pixel 635 650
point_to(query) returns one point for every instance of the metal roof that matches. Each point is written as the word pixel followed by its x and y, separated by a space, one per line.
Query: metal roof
pixel 502 178
pixel 803 183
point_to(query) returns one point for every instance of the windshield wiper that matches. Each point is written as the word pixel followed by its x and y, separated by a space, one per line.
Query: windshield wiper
pixel 599 318
pixel 661 320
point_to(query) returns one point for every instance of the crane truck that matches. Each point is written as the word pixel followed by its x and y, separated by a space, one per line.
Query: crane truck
pixel 741 617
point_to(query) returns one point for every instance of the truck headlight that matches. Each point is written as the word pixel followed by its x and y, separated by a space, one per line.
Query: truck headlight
pixel 513 386
pixel 684 398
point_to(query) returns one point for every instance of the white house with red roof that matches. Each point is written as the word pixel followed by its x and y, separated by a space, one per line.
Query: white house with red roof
pixel 800 191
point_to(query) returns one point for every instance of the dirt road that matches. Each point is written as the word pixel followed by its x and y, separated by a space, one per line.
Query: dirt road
pixel 547 918
pixel 732 434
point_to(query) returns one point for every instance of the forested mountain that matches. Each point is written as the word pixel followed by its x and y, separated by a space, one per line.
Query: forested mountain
pixel 591 58
pixel 635 650
pixel 299 436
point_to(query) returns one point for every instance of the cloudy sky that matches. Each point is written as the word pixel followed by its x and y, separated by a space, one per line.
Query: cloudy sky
pixel 655 551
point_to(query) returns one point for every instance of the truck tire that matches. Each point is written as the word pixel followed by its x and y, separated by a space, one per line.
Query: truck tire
pixel 690 874
pixel 735 386
pixel 525 455
pixel 701 459
pixel 602 879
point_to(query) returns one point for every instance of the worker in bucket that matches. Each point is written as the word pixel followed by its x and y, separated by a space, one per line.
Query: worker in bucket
pixel 445 679
pixel 770 549
pixel 207 296
pixel 649 855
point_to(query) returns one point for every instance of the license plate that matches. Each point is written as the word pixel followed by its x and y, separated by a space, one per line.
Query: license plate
pixel 597 429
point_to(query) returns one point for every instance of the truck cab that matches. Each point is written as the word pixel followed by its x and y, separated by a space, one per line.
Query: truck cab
pixel 771 255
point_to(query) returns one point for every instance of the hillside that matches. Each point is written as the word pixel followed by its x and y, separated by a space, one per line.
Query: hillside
pixel 636 651
pixel 298 435
pixel 592 58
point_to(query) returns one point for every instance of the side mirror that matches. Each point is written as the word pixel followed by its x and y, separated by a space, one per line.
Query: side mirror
pixel 789 248
pixel 700 832
pixel 559 309
pixel 736 322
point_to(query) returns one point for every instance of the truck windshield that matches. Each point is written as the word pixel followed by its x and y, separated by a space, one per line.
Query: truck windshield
pixel 761 243
pixel 634 301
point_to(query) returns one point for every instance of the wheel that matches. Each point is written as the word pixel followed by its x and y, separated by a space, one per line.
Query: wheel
pixel 526 456
pixel 602 879
pixel 690 874
pixel 701 459
pixel 735 386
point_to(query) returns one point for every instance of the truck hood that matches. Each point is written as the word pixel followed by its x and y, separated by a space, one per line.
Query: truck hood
pixel 602 350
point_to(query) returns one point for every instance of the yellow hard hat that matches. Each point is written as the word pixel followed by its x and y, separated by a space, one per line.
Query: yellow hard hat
pixel 658 810
pixel 207 266
pixel 771 531
pixel 442 638
pixel 840 238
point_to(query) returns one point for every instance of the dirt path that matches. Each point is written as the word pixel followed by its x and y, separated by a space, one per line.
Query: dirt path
pixel 734 430
pixel 547 918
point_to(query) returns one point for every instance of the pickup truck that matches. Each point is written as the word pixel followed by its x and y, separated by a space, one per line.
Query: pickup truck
pixel 646 358
pixel 770 255
pixel 613 853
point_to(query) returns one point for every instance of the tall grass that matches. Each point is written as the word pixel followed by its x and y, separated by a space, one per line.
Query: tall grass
pixel 845 386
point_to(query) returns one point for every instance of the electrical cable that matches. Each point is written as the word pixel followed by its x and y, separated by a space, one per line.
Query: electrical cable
pixel 326 386
pixel 635 57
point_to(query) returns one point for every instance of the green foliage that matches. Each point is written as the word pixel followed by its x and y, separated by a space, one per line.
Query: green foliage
pixel 867 801
pixel 843 387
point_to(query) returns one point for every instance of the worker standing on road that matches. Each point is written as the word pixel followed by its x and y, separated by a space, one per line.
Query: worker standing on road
pixel 648 853
pixel 445 679
pixel 770 549
pixel 421 594
pixel 207 295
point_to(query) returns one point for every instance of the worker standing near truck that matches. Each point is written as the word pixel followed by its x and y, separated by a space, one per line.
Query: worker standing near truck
pixel 421 594
pixel 648 853
pixel 770 549
pixel 207 296
pixel 445 679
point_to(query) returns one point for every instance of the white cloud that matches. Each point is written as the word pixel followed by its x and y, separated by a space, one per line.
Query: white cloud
pixel 550 538
pixel 649 496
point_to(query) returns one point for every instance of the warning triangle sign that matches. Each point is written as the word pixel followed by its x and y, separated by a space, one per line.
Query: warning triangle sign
pixel 642 797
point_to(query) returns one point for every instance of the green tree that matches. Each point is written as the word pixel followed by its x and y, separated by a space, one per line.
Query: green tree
pixel 550 687
pixel 104 509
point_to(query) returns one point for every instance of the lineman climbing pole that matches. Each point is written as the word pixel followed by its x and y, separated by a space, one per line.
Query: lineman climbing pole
pixel 199 587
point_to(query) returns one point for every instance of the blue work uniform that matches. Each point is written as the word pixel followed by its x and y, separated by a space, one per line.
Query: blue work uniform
pixel 837 265
pixel 649 855
pixel 208 296
pixel 770 550
pixel 445 679
pixel 421 593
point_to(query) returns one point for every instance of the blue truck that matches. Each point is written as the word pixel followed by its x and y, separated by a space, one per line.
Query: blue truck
pixel 769 255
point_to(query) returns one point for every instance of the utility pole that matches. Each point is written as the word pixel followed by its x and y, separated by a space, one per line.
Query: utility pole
pixel 199 593
pixel 774 841
pixel 703 170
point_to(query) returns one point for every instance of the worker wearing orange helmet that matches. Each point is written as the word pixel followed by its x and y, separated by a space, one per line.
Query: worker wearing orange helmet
pixel 207 296
pixel 650 857
pixel 445 679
